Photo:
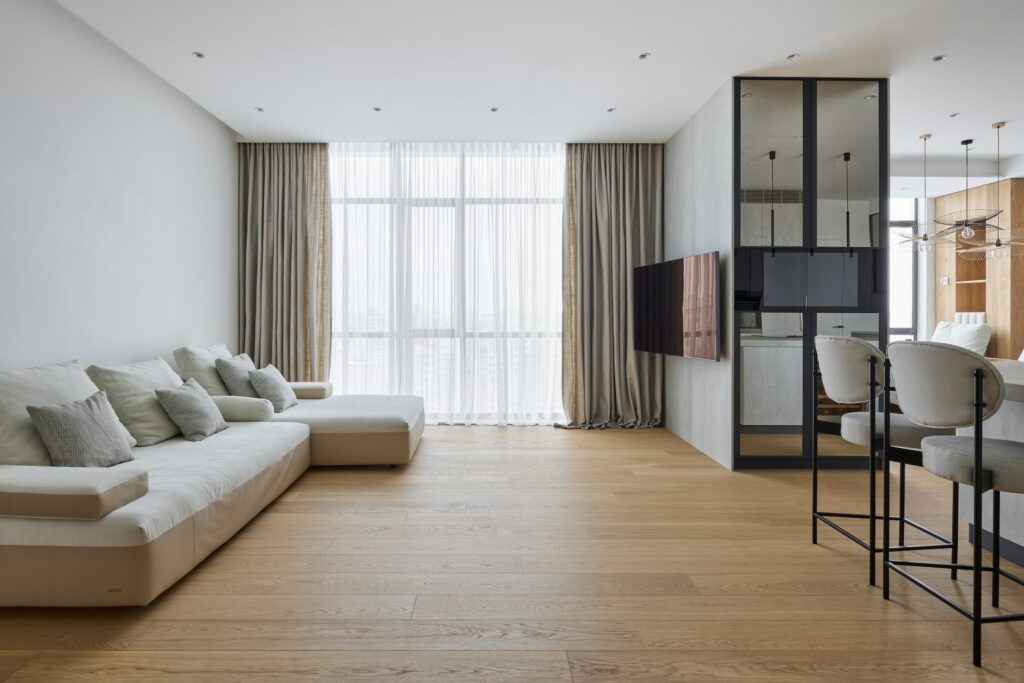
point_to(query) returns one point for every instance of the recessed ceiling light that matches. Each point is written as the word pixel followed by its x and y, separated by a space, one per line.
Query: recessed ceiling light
pixel 746 93
pixel 870 97
pixel 376 108
pixel 611 110
pixel 793 56
pixel 939 58
pixel 954 115
pixel 494 109
pixel 198 55
pixel 644 55
pixel 258 108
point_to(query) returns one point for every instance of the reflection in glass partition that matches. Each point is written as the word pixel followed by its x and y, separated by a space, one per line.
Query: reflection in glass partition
pixel 771 163
pixel 771 383
pixel 847 192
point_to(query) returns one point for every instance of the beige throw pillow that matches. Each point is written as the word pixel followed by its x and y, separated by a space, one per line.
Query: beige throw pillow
pixel 132 389
pixel 200 363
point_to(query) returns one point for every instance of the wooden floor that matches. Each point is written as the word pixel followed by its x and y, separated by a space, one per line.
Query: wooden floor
pixel 532 554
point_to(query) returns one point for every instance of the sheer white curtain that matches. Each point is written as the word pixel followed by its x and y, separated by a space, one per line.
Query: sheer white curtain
pixel 447 277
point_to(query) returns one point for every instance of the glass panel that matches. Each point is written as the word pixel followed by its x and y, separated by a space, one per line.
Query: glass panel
pixel 901 281
pixel 860 326
pixel 902 209
pixel 771 123
pixel 771 383
pixel 847 129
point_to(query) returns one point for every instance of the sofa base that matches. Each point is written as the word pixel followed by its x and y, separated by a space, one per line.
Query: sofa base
pixel 50 576
pixel 365 448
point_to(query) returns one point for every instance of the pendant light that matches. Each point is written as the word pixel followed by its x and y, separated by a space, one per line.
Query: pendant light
pixel 1000 247
pixel 771 197
pixel 969 221
pixel 846 162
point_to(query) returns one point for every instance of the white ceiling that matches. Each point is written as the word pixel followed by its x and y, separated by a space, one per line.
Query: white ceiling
pixel 553 67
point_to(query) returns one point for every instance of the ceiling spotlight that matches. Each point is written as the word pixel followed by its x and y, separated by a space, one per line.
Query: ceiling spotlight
pixel 870 97
pixel 611 110
pixel 198 55
pixel 258 108
pixel 793 56
pixel 494 109
pixel 746 93
pixel 644 55
pixel 954 115
pixel 376 108
pixel 939 58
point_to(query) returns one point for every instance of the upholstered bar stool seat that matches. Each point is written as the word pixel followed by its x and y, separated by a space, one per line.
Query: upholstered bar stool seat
pixel 952 457
pixel 856 428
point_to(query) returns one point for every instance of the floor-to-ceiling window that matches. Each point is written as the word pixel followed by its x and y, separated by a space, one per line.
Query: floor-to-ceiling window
pixel 447 277
pixel 902 269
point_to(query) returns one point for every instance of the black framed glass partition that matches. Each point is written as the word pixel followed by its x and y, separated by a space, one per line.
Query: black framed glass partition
pixel 811 197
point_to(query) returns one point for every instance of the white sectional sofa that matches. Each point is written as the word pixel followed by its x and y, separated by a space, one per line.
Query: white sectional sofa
pixel 121 535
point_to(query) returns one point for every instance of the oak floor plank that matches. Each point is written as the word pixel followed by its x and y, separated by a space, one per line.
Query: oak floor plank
pixel 389 635
pixel 12 660
pixel 428 667
pixel 787 667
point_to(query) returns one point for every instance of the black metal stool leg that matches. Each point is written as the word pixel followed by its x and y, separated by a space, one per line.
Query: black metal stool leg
pixel 886 438
pixel 903 504
pixel 954 535
pixel 872 471
pixel 979 491
pixel 814 446
pixel 995 548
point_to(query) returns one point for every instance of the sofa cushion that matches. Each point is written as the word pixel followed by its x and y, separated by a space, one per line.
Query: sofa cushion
pixel 356 414
pixel 82 433
pixel 192 409
pixel 131 389
pixel 63 493
pixel 185 477
pixel 235 373
pixel 200 363
pixel 312 389
pixel 46 384
pixel 270 384
pixel 971 336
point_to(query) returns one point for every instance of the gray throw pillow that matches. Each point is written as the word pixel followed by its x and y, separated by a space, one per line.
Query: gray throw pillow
pixel 192 409
pixel 82 433
pixel 271 385
pixel 235 373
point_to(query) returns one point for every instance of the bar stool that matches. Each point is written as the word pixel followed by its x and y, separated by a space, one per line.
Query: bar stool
pixel 948 386
pixel 851 372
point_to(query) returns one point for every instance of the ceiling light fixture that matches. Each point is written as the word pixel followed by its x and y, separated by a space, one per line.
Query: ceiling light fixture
pixel 376 108
pixel 258 108
pixel 198 55
pixel 954 115
pixel 870 97
pixel 644 55
pixel 939 58
pixel 611 110
pixel 494 109
pixel 746 93
pixel 793 56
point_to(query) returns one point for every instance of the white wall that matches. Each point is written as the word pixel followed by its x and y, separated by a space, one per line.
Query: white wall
pixel 117 201
pixel 698 218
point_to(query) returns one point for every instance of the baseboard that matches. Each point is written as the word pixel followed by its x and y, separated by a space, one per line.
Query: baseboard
pixel 1008 550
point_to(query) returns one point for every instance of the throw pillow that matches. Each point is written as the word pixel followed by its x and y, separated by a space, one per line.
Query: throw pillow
pixel 192 410
pixel 81 433
pixel 235 373
pixel 271 385
pixel 131 388
pixel 200 363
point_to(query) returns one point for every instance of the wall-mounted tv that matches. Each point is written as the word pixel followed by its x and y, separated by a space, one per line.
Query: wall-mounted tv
pixel 675 306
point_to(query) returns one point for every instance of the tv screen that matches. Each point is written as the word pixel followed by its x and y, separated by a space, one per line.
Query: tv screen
pixel 675 306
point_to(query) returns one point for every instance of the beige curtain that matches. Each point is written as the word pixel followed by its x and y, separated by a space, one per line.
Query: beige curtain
pixel 613 223
pixel 284 257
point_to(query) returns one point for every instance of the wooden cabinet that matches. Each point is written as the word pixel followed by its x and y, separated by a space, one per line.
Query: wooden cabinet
pixel 995 286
